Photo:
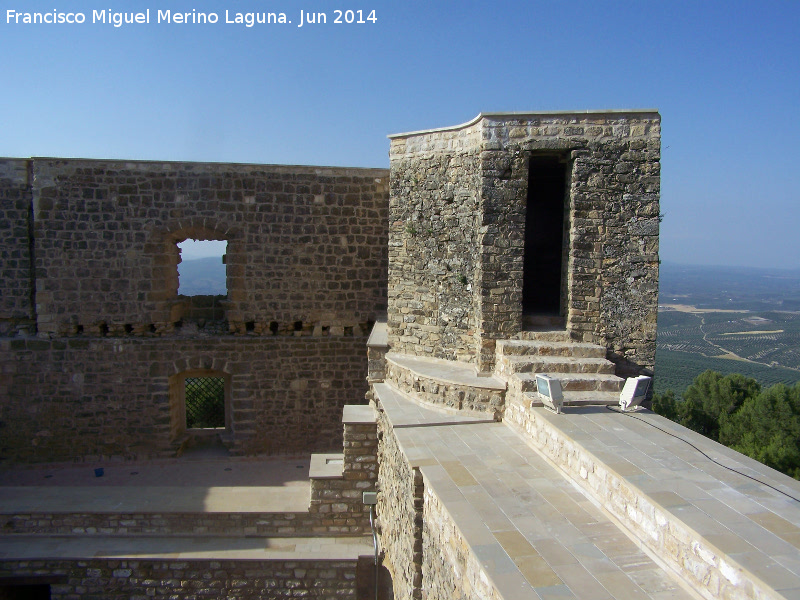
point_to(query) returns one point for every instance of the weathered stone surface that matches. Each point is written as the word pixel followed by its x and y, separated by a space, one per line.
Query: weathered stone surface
pixel 306 245
pixel 457 233
pixel 306 275
pixel 450 568
pixel 338 502
pixel 16 298
pixel 110 398
pixel 400 504
pixel 147 578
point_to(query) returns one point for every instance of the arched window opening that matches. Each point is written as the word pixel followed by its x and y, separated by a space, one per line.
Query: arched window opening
pixel 200 408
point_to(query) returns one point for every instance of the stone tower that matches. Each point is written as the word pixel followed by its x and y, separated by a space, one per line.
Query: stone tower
pixel 523 221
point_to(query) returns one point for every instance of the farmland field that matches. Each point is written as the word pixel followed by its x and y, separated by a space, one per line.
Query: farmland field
pixel 677 370
pixel 730 330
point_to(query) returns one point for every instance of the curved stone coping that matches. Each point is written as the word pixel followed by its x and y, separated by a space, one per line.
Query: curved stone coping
pixel 408 412
pixel 445 371
pixel 727 535
pixel 153 499
pixel 184 548
pixel 522 115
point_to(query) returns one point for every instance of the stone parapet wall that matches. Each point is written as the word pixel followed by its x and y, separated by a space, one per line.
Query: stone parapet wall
pixel 450 569
pixel 338 502
pixel 399 510
pixel 306 246
pixel 462 138
pixel 16 294
pixel 162 578
pixel 686 550
pixel 104 398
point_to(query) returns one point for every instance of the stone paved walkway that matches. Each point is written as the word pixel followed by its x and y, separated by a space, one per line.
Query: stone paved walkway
pixel 536 535
pixel 205 486
pixel 754 525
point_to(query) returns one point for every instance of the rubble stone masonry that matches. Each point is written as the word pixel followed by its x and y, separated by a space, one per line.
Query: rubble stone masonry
pixel 16 296
pixel 457 233
pixel 86 372
pixel 103 398
pixel 164 578
pixel 304 244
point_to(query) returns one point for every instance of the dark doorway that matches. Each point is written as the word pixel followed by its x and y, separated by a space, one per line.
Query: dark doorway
pixel 544 239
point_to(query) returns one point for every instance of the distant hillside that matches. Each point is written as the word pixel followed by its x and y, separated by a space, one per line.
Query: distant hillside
pixel 730 288
pixel 202 276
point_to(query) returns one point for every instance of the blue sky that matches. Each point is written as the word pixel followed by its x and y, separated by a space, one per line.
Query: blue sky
pixel 724 75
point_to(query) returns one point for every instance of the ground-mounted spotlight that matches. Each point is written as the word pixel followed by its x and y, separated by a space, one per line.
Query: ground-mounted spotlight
pixel 634 391
pixel 550 392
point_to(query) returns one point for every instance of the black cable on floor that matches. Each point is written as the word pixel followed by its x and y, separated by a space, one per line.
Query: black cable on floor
pixel 703 453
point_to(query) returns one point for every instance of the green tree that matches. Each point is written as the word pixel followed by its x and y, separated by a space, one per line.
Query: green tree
pixel 666 405
pixel 711 396
pixel 767 428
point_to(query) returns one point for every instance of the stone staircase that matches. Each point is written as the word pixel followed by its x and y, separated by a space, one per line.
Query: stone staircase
pixel 586 376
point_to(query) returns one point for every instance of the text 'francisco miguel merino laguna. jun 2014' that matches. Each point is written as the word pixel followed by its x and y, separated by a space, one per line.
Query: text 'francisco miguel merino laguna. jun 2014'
pixel 194 17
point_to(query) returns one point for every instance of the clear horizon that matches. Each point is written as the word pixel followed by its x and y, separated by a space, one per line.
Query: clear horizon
pixel 724 76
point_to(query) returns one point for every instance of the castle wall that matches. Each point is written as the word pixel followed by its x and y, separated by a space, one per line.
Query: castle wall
pixel 16 306
pixel 116 579
pixel 306 277
pixel 100 398
pixel 305 244
pixel 434 246
pixel 612 211
pixel 400 504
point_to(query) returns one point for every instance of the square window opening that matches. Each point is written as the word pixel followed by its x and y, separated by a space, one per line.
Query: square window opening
pixel 201 268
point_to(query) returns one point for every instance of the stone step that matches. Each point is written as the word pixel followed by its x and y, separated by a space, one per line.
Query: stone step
pixel 543 322
pixel 553 364
pixel 29 547
pixel 545 335
pixel 570 382
pixel 449 384
pixel 578 398
pixel 545 348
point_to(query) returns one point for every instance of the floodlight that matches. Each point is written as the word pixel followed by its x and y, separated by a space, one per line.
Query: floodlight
pixel 550 392
pixel 634 391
